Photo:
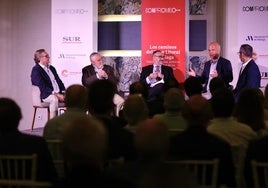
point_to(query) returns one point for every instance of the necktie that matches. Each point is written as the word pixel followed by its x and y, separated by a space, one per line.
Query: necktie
pixel 241 70
pixel 157 69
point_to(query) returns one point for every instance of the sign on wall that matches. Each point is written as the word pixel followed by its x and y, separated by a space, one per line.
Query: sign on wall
pixel 163 28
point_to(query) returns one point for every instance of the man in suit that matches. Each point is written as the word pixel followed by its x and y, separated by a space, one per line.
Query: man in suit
pixel 217 66
pixel 97 71
pixel 249 76
pixel 155 75
pixel 45 76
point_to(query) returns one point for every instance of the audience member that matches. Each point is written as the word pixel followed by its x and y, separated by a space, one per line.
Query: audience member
pixel 192 86
pixel 173 103
pixel 264 103
pixel 249 76
pixel 256 151
pixel 14 142
pixel 151 142
pixel 195 143
pixel 84 146
pixel 217 66
pixel 155 75
pixel 139 88
pixel 249 110
pixel 135 110
pixel 99 71
pixel 45 76
pixel 100 99
pixel 215 84
pixel 265 93
pixel 224 125
pixel 171 82
pixel 76 103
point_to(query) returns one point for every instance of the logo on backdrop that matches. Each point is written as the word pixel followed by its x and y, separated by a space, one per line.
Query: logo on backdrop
pixel 70 56
pixel 66 73
pixel 257 38
pixel 254 8
pixel 163 10
pixel 71 39
pixel 71 11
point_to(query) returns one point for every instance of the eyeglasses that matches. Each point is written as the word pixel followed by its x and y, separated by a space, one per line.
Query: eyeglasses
pixel 160 56
pixel 47 56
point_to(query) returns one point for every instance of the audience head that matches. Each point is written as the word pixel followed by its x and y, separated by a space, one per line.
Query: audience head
pixel 100 97
pixel 249 109
pixel 222 103
pixel 135 109
pixel 152 139
pixel 138 88
pixel 10 115
pixel 84 142
pixel 172 82
pixel 192 86
pixel 173 100
pixel 197 111
pixel 76 97
pixel 215 84
pixel 266 92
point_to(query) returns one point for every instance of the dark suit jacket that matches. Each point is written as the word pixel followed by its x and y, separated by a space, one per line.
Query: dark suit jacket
pixel 89 74
pixel 250 78
pixel 17 143
pixel 195 143
pixel 165 70
pixel 40 78
pixel 224 69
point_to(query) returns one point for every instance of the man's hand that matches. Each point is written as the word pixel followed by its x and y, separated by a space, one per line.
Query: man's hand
pixel 102 74
pixel 191 72
pixel 60 97
pixel 214 74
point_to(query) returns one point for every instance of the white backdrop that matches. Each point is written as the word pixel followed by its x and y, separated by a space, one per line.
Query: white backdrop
pixel 73 37
pixel 253 30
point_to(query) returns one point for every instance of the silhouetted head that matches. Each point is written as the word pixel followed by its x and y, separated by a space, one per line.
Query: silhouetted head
pixel 10 115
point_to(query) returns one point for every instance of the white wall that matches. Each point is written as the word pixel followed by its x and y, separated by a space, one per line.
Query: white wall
pixel 25 27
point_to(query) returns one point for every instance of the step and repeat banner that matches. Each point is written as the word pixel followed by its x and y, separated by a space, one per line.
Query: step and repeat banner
pixel 72 37
pixel 163 28
pixel 253 30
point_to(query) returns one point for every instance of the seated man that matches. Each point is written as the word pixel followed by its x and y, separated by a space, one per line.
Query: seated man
pixel 156 75
pixel 99 71
pixel 47 79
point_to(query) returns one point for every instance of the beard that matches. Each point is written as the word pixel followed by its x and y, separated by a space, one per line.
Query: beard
pixel 215 57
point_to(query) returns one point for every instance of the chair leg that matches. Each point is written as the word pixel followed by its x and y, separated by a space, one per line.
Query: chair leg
pixel 48 114
pixel 33 118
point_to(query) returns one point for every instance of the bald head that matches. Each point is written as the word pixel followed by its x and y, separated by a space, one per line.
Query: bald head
pixel 214 50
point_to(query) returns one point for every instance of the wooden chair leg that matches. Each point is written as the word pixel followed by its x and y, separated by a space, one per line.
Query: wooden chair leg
pixel 33 118
pixel 48 114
